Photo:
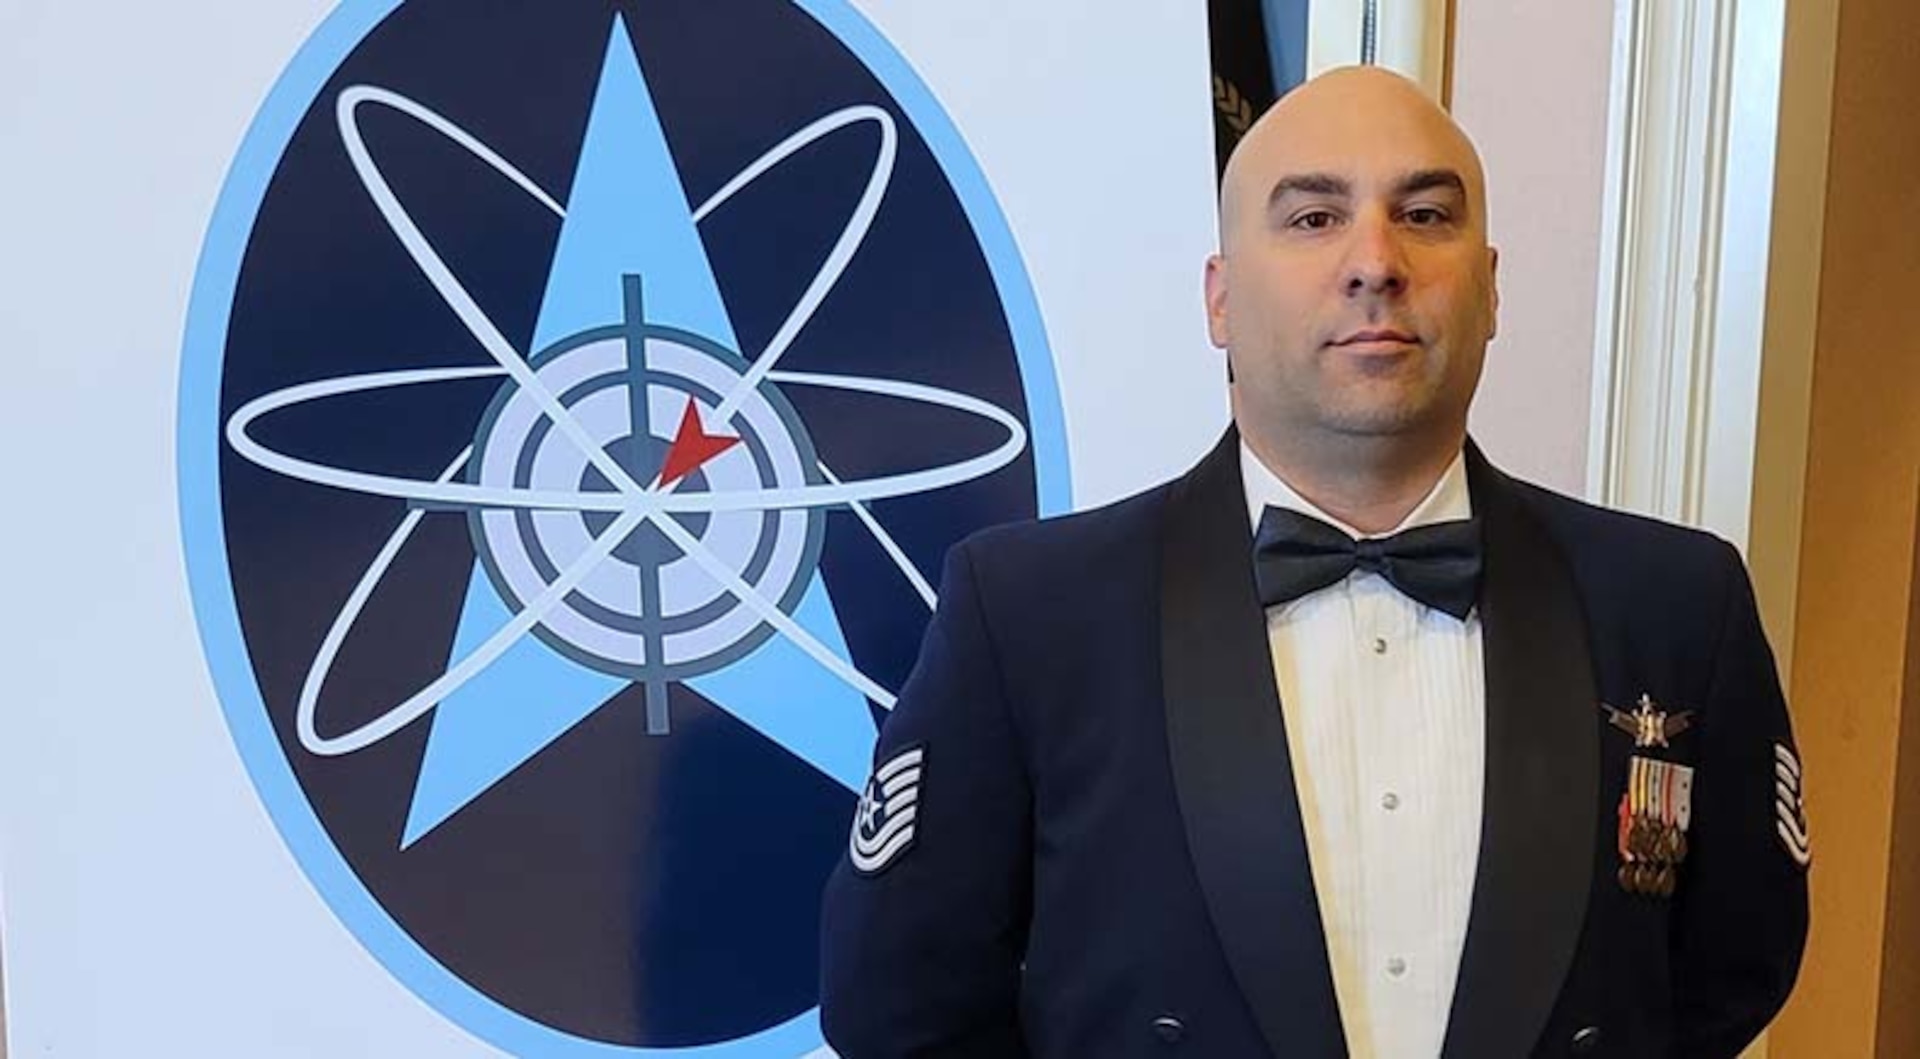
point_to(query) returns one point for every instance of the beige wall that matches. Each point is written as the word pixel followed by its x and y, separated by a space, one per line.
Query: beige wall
pixel 1855 622
pixel 1530 84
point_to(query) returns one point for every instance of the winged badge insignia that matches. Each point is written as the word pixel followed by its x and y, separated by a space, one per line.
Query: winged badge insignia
pixel 1649 725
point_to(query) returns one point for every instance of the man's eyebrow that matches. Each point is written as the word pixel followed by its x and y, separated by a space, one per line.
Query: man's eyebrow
pixel 1430 180
pixel 1327 184
pixel 1308 184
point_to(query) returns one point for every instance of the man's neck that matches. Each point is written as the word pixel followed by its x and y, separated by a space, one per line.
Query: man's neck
pixel 1371 484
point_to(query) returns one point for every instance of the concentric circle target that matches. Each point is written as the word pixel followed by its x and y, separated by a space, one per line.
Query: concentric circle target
pixel 649 612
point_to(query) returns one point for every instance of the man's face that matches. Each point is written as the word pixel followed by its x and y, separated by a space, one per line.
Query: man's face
pixel 1354 292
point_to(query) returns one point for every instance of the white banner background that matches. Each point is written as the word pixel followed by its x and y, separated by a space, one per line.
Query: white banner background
pixel 147 905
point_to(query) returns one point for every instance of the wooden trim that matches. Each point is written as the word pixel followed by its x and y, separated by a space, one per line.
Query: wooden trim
pixel 1853 666
pixel 1793 310
pixel 1899 1031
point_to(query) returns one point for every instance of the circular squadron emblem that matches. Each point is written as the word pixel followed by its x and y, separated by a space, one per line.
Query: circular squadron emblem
pixel 578 399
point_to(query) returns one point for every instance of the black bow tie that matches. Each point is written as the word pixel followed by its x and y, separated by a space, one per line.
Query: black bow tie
pixel 1438 565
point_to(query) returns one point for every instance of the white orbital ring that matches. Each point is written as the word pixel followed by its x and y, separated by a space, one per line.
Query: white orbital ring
pixel 451 494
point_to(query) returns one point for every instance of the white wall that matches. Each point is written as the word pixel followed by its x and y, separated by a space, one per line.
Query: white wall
pixel 1530 86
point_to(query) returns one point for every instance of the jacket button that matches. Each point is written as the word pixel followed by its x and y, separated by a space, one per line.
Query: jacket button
pixel 1585 1041
pixel 1169 1029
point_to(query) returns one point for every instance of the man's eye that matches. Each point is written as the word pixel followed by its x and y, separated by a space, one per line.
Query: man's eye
pixel 1425 216
pixel 1314 220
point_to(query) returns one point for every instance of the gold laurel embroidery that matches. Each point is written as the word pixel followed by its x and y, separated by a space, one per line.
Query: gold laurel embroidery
pixel 1234 108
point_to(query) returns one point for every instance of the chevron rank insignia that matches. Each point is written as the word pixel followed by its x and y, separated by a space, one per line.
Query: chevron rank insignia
pixel 1789 807
pixel 1649 725
pixel 883 829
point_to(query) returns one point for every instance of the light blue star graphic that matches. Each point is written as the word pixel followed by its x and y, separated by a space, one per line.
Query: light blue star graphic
pixel 628 214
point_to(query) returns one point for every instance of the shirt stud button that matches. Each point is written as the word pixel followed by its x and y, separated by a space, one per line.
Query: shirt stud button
pixel 1169 1029
pixel 1396 967
pixel 1389 801
pixel 1379 645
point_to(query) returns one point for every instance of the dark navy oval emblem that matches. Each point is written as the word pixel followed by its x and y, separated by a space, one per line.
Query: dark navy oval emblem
pixel 577 401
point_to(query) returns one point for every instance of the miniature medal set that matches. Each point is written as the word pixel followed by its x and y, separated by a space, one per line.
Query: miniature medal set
pixel 1657 805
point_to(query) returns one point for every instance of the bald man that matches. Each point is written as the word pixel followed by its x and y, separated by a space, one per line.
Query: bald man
pixel 1344 743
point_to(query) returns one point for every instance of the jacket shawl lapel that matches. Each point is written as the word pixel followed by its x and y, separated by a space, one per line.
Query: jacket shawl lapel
pixel 1231 770
pixel 1539 819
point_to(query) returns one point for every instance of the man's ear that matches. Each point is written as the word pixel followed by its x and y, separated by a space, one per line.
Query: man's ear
pixel 1216 293
pixel 1493 292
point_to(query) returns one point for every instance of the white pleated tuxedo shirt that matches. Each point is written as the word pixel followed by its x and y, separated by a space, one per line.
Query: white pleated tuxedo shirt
pixel 1385 704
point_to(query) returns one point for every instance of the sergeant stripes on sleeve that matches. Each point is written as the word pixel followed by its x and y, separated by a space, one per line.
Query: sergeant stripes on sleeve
pixel 884 828
pixel 1789 806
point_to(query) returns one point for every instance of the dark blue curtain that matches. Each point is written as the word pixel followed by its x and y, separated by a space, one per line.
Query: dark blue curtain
pixel 1259 51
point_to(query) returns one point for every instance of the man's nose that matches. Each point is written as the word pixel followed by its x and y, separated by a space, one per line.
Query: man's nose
pixel 1376 263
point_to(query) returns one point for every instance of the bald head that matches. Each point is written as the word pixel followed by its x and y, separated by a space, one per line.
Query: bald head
pixel 1354 289
pixel 1323 126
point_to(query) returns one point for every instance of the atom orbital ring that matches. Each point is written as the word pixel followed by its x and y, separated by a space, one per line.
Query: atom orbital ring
pixel 445 492
pixel 633 505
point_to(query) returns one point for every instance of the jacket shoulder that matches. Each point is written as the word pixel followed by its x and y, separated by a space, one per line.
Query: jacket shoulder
pixel 1628 548
pixel 1067 547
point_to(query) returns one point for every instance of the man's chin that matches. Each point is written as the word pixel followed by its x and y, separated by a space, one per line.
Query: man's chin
pixel 1379 421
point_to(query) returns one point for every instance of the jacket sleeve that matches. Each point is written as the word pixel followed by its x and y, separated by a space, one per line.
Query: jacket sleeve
pixel 924 921
pixel 1742 917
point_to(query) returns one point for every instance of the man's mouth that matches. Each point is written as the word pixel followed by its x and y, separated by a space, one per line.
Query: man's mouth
pixel 1377 336
pixel 1375 340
